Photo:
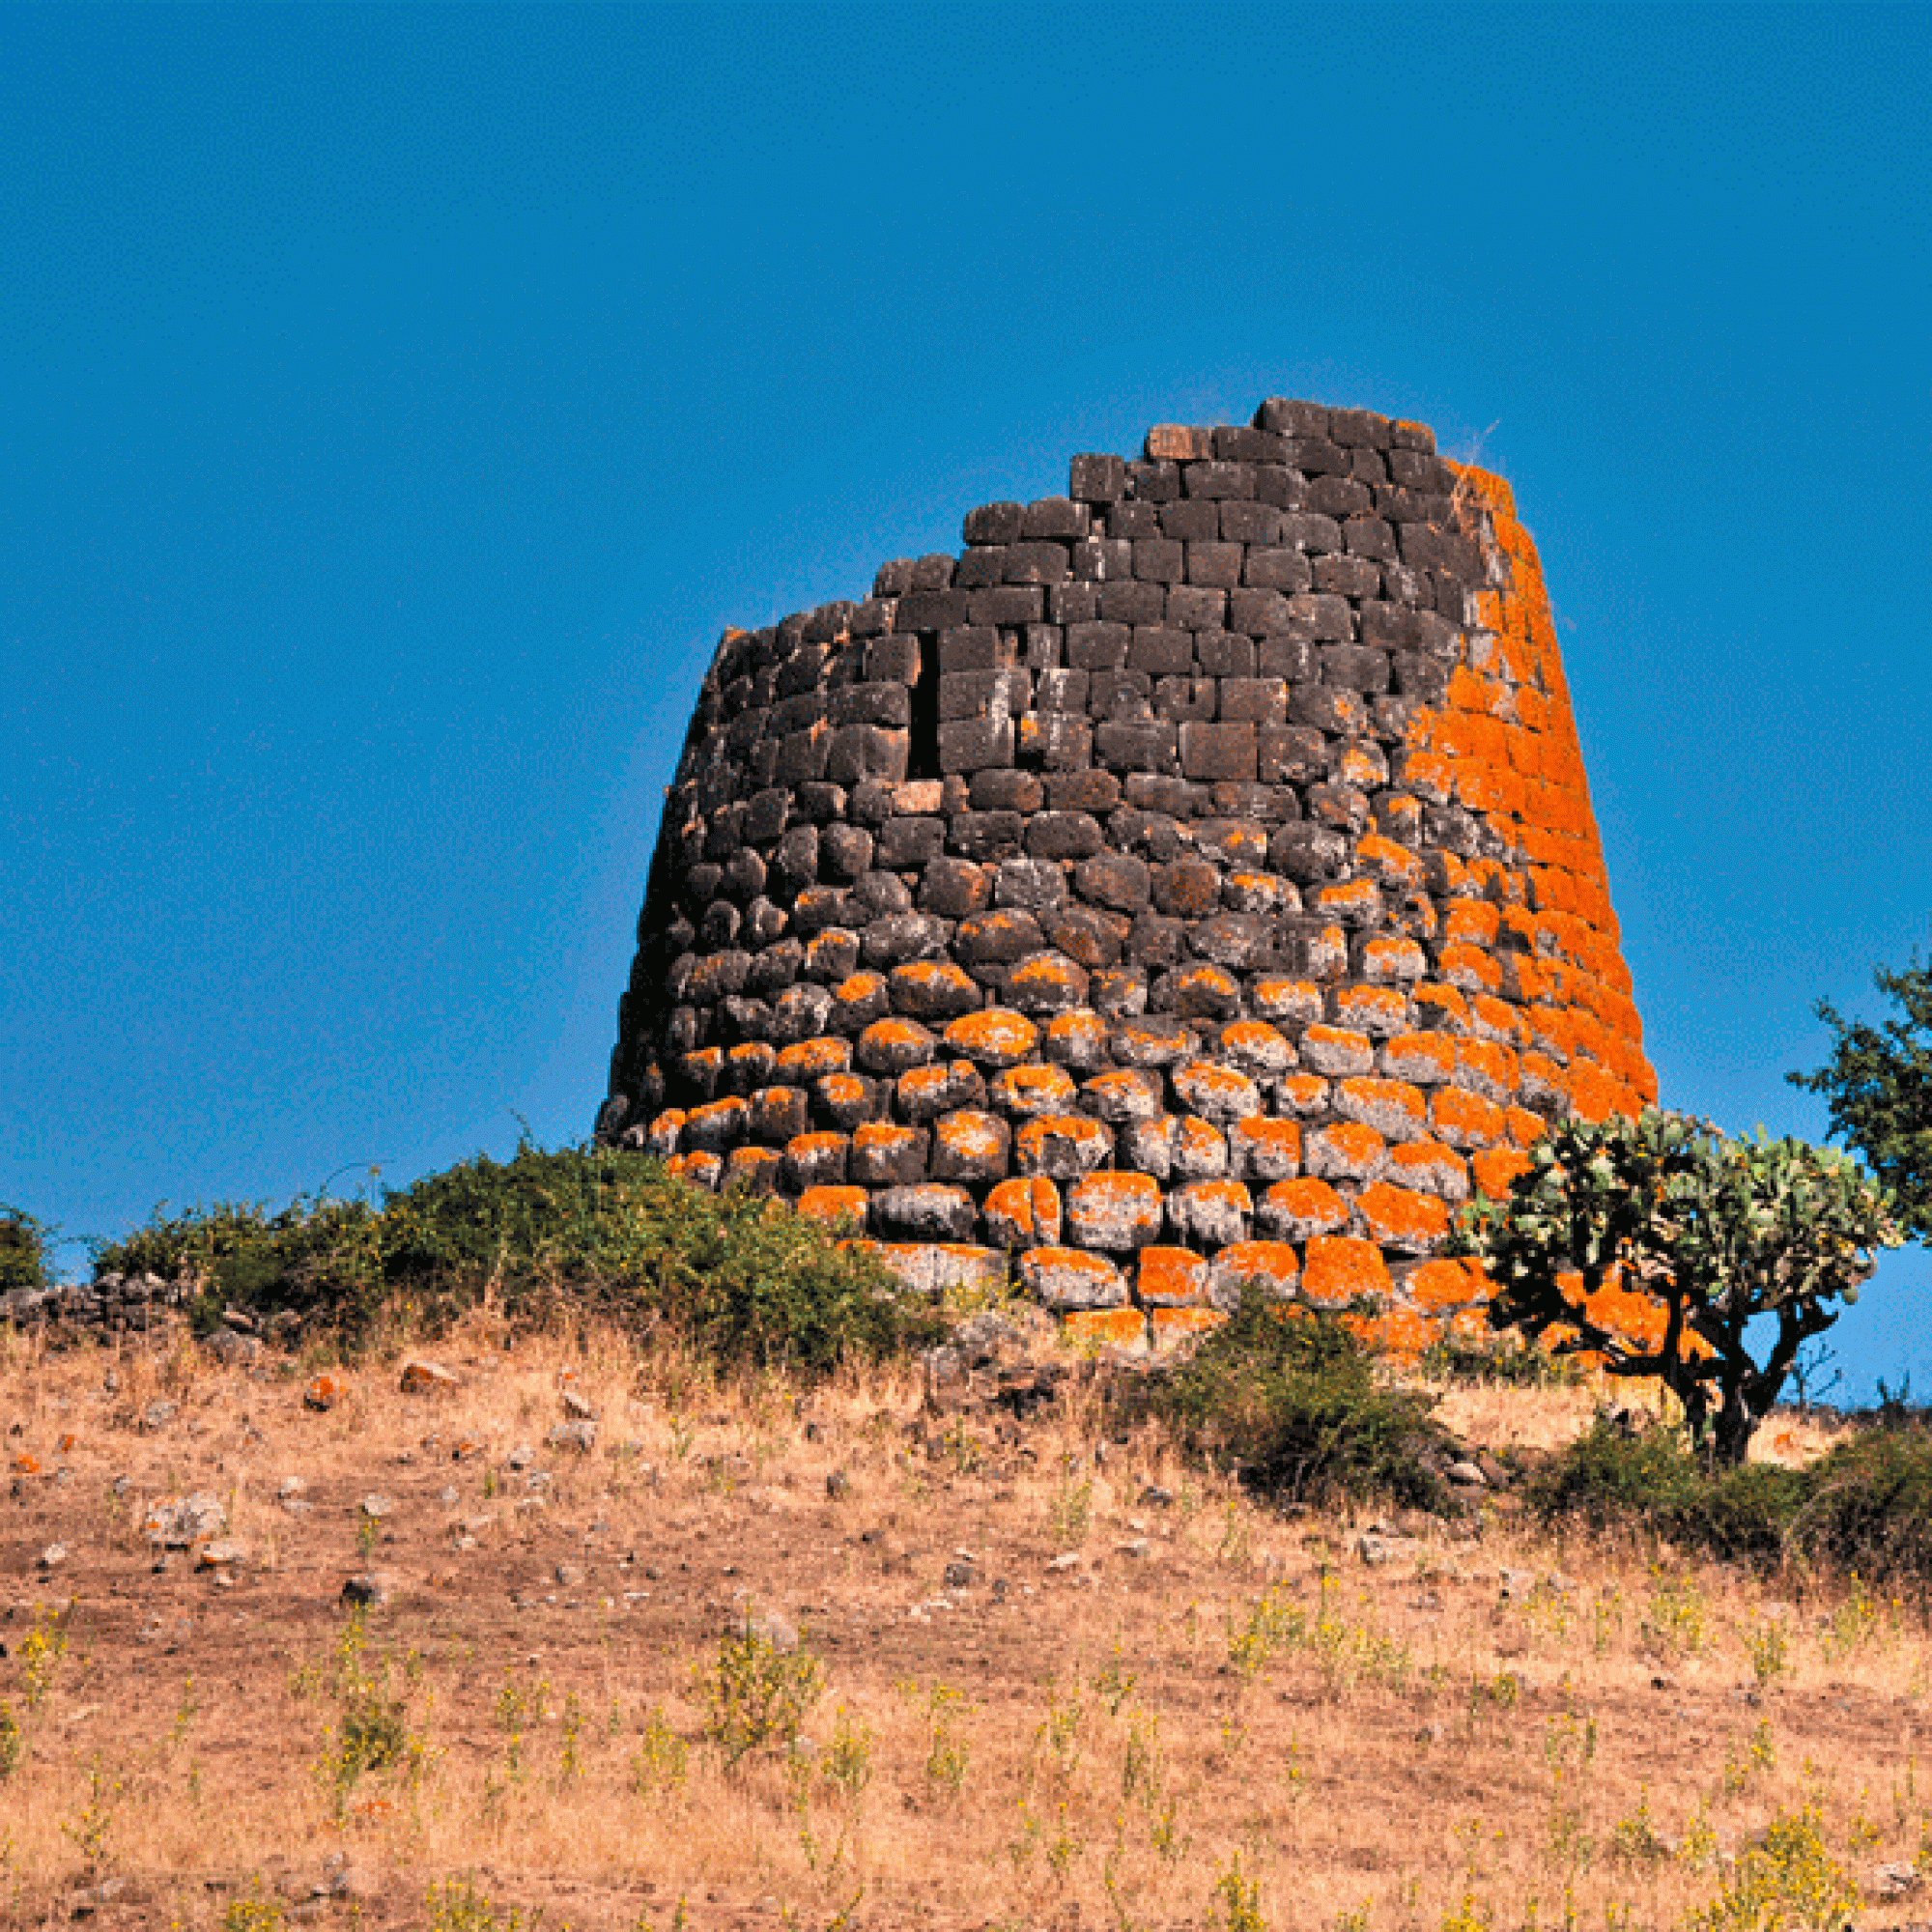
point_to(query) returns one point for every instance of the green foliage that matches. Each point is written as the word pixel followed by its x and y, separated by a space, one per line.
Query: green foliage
pixel 1653 1482
pixel 580 1230
pixel 1295 1400
pixel 1720 1233
pixel 1879 1084
pixel 1864 1509
pixel 23 1252
pixel 1870 1504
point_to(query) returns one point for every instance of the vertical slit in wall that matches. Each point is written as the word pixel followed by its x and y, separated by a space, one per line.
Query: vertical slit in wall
pixel 922 753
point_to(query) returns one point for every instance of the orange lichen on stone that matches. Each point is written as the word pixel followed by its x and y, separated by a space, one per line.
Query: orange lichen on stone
pixel 1024 1214
pixel 1063 1146
pixel 1197 1147
pixel 1470 970
pixel 1440 1006
pixel 1034 1090
pixel 1217 1093
pixel 1393 961
pixel 861 992
pixel 1048 983
pixel 1257 1048
pixel 1494 1019
pixel 995 1036
pixel 717 1123
pixel 662 1136
pixel 1115 1210
pixel 1338 1050
pixel 1494 1168
pixel 1273 1266
pixel 1400 1334
pixel 1075 1039
pixel 753 1167
pixel 1466 1120
pixel 1295 1000
pixel 1127 1093
pixel 1388 861
pixel 878 1137
pixel 1424 1058
pixel 1107 1328
pixel 811 1059
pixel 1069 1278
pixel 1380 1012
pixel 1345 1149
pixel 817 1160
pixel 1302 1092
pixel 1445 1287
pixel 1300 1208
pixel 777 1113
pixel 930 988
pixel 1259 893
pixel 891 1046
pixel 969 1146
pixel 1262 1149
pixel 699 1168
pixel 1399 1218
pixel 1170 1278
pixel 1351 901
pixel 1206 990
pixel 1169 1328
pixel 1212 1213
pixel 1339 1268
pixel 1434 1169
pixel 1472 922
pixel 1392 1107
pixel 835 1205
pixel 1487 1068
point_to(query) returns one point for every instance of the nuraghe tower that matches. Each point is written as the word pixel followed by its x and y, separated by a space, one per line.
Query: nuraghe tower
pixel 1192 882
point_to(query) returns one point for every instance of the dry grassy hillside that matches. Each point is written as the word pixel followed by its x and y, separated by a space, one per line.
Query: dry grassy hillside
pixel 1040 1669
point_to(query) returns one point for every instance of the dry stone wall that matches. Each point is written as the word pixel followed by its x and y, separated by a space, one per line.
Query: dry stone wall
pixel 1191 882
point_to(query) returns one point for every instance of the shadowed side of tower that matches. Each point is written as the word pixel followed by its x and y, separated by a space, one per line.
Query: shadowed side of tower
pixel 1191 882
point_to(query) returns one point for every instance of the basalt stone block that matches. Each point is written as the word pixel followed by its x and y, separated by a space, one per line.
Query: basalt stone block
pixel 1198 863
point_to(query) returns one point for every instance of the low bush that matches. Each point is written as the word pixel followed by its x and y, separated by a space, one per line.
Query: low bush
pixel 23 1252
pixel 1868 1505
pixel 571 1231
pixel 1652 1482
pixel 1865 1508
pixel 1295 1400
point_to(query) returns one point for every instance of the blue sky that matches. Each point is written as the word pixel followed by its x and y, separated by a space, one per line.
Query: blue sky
pixel 395 404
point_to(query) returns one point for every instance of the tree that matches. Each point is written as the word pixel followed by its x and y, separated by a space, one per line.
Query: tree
pixel 1879 1084
pixel 1714 1233
pixel 23 1252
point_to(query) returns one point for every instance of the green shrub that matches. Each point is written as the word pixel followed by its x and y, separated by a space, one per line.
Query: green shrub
pixel 23 1252
pixel 1868 1505
pixel 577 1231
pixel 1295 1400
pixel 1653 1482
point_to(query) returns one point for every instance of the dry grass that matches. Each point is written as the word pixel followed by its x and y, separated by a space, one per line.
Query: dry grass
pixel 1485 1732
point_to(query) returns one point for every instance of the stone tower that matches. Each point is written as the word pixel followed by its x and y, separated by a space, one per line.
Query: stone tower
pixel 1191 882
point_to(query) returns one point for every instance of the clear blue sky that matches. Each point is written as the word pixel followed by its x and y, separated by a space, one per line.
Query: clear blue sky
pixel 395 404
